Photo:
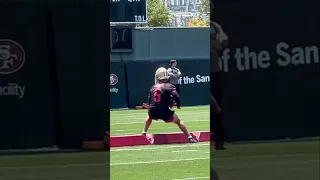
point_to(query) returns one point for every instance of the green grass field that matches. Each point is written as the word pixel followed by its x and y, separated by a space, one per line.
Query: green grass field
pixel 164 162
pixel 126 122
pixel 268 161
pixel 69 166
pixel 276 161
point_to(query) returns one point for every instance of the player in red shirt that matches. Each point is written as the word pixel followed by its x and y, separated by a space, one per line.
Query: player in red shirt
pixel 160 100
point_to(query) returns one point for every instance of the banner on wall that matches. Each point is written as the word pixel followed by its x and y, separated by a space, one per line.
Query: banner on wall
pixel 270 68
pixel 12 58
pixel 25 84
pixel 118 91
pixel 195 81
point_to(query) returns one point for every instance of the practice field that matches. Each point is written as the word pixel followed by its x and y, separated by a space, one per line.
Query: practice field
pixel 68 166
pixel 278 161
pixel 163 162
pixel 129 122
pixel 270 161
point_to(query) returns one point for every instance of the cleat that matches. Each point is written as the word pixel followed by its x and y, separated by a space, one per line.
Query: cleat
pixel 191 140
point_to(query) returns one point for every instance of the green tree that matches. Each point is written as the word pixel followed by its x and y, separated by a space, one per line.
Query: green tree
pixel 205 7
pixel 158 14
pixel 199 22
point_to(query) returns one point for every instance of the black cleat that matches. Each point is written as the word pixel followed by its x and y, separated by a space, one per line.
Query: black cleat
pixel 144 134
pixel 191 140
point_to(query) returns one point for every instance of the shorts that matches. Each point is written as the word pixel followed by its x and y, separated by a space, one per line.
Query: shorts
pixel 161 113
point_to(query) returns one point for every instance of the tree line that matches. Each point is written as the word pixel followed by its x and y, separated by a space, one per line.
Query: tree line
pixel 159 16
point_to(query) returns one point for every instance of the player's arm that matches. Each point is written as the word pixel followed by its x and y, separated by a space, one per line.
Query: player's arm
pixel 216 26
pixel 179 73
pixel 170 72
pixel 175 95
pixel 221 40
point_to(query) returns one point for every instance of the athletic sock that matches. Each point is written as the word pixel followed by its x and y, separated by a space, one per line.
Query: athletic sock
pixel 143 132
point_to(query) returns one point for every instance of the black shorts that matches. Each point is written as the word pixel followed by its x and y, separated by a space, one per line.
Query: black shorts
pixel 161 113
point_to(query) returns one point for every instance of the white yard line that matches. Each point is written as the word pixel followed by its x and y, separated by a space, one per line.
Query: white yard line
pixel 193 178
pixel 195 112
pixel 224 166
pixel 190 150
pixel 54 166
pixel 123 130
pixel 155 162
pixel 175 132
pixel 135 118
pixel 142 122
pixel 164 161
pixel 207 152
pixel 161 147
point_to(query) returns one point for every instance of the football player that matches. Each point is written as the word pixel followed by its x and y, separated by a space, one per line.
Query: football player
pixel 160 99
pixel 175 74
pixel 218 41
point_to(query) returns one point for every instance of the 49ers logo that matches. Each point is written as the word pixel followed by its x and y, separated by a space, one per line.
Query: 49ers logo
pixel 12 56
pixel 113 79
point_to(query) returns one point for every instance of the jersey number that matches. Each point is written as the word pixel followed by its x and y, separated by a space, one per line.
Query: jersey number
pixel 157 95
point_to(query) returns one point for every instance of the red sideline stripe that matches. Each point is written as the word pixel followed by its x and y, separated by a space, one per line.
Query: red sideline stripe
pixel 133 140
pixel 204 136
pixel 173 138
pixel 138 140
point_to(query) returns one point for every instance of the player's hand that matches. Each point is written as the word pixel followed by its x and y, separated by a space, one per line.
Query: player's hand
pixel 217 26
pixel 222 37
